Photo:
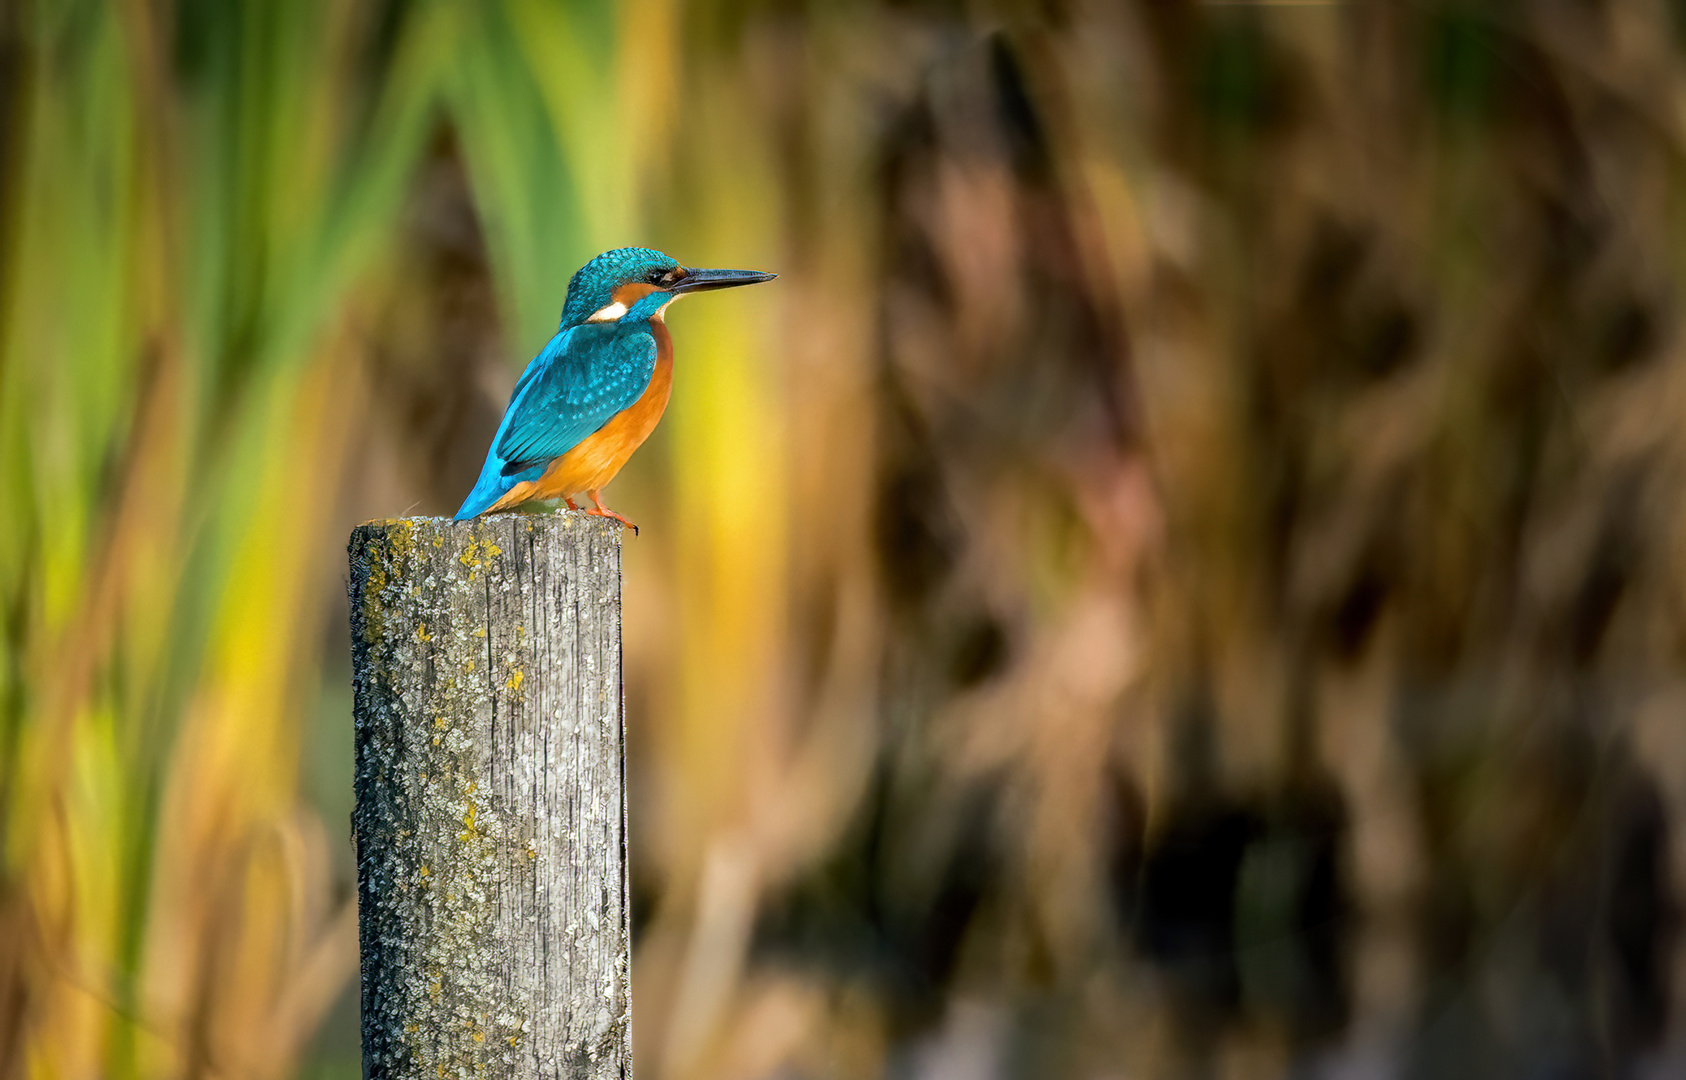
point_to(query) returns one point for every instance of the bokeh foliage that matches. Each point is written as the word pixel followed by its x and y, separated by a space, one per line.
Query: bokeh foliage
pixel 202 205
pixel 1180 575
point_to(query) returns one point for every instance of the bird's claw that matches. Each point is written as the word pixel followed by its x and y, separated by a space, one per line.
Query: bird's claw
pixel 605 512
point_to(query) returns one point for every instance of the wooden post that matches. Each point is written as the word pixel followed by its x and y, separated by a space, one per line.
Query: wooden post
pixel 491 800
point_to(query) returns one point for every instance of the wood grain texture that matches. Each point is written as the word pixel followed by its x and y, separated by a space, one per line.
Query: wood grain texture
pixel 491 814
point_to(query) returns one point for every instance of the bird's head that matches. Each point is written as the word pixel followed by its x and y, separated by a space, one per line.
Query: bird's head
pixel 639 282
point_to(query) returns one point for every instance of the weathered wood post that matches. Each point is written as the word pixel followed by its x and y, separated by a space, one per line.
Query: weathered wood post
pixel 491 811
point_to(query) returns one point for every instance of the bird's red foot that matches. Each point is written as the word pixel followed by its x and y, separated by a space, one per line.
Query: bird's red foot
pixel 603 511
pixel 572 505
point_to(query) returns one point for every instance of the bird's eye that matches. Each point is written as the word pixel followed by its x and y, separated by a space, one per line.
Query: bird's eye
pixel 657 277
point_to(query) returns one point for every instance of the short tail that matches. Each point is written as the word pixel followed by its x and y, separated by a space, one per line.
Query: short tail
pixel 492 486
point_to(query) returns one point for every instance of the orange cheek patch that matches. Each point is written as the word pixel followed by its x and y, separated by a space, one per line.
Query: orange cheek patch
pixel 632 292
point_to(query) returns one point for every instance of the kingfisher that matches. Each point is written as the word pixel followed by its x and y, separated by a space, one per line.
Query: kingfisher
pixel 596 391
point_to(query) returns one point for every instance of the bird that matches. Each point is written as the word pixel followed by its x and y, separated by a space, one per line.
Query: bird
pixel 596 391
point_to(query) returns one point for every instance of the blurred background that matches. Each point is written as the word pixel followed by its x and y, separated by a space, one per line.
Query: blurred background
pixel 1183 575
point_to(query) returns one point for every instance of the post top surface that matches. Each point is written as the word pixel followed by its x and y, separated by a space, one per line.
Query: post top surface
pixel 566 520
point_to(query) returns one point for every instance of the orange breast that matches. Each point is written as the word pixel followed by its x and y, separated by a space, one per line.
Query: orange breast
pixel 600 455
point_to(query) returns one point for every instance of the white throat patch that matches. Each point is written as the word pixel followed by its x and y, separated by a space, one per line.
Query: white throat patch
pixel 608 314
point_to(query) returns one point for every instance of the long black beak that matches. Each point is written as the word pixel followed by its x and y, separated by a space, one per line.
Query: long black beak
pixel 703 280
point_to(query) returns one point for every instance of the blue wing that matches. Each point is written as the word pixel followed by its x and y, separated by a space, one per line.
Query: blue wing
pixel 582 378
pixel 596 370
